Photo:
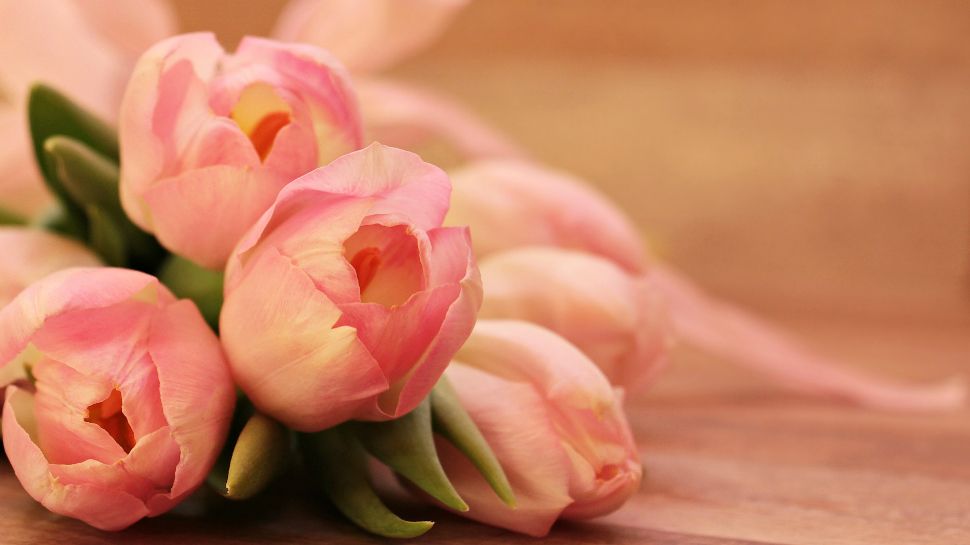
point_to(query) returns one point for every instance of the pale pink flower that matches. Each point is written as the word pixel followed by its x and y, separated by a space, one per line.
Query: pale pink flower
pixel 85 48
pixel 552 419
pixel 129 401
pixel 347 299
pixel 208 138
pixel 617 319
pixel 31 254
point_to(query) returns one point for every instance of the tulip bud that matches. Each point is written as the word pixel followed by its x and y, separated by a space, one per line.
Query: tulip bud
pixel 131 401
pixel 553 421
pixel 510 203
pixel 617 319
pixel 208 138
pixel 30 254
pixel 347 299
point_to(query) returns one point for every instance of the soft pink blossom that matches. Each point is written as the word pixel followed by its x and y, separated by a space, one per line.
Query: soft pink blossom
pixel 30 254
pixel 367 35
pixel 130 398
pixel 513 203
pixel 552 419
pixel 208 138
pixel 347 299
pixel 85 48
pixel 617 319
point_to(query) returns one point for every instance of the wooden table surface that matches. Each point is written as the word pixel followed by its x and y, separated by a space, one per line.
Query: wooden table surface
pixel 729 460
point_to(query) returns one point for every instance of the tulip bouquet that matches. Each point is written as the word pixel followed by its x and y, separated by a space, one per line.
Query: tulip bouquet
pixel 256 272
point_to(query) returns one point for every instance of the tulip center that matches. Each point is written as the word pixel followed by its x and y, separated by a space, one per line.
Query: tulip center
pixel 387 262
pixel 261 113
pixel 109 416
pixel 366 263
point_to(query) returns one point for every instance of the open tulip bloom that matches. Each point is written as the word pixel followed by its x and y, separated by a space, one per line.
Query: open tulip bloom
pixel 240 276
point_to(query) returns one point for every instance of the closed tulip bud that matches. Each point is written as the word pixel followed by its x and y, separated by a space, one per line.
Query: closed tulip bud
pixel 552 419
pixel 509 203
pixel 27 255
pixel 347 299
pixel 131 396
pixel 617 319
pixel 208 138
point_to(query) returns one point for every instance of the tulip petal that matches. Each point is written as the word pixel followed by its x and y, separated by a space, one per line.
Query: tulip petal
pixel 368 35
pixel 195 388
pixel 541 489
pixel 286 353
pixel 730 332
pixel 617 319
pixel 103 508
pixel 65 291
pixel 204 192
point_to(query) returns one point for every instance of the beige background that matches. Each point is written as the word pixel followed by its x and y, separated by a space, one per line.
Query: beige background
pixel 801 156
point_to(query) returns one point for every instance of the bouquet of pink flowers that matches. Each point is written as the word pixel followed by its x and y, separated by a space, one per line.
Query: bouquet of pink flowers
pixel 256 270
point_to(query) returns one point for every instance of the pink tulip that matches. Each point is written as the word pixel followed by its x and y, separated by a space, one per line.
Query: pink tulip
pixel 367 35
pixel 347 299
pixel 553 421
pixel 511 204
pixel 208 138
pixel 130 398
pixel 83 47
pixel 617 319
pixel 31 254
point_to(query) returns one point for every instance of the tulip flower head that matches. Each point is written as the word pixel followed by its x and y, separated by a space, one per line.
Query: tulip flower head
pixel 617 319
pixel 347 299
pixel 553 421
pixel 208 138
pixel 129 399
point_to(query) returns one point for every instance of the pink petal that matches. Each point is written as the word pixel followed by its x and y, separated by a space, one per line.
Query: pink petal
pixel 66 291
pixel 196 391
pixel 514 203
pixel 192 214
pixel 164 105
pixel 413 118
pixel 514 421
pixel 732 333
pixel 103 508
pixel 367 35
pixel 286 351
pixel 618 320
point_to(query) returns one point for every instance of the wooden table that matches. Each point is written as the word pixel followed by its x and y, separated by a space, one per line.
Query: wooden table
pixel 729 460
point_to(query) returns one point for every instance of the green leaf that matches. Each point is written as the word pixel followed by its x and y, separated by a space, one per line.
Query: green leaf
pixel 190 281
pixel 258 457
pixel 337 461
pixel 406 445
pixel 50 114
pixel 453 423
pixel 8 217
pixel 90 181
pixel 105 238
